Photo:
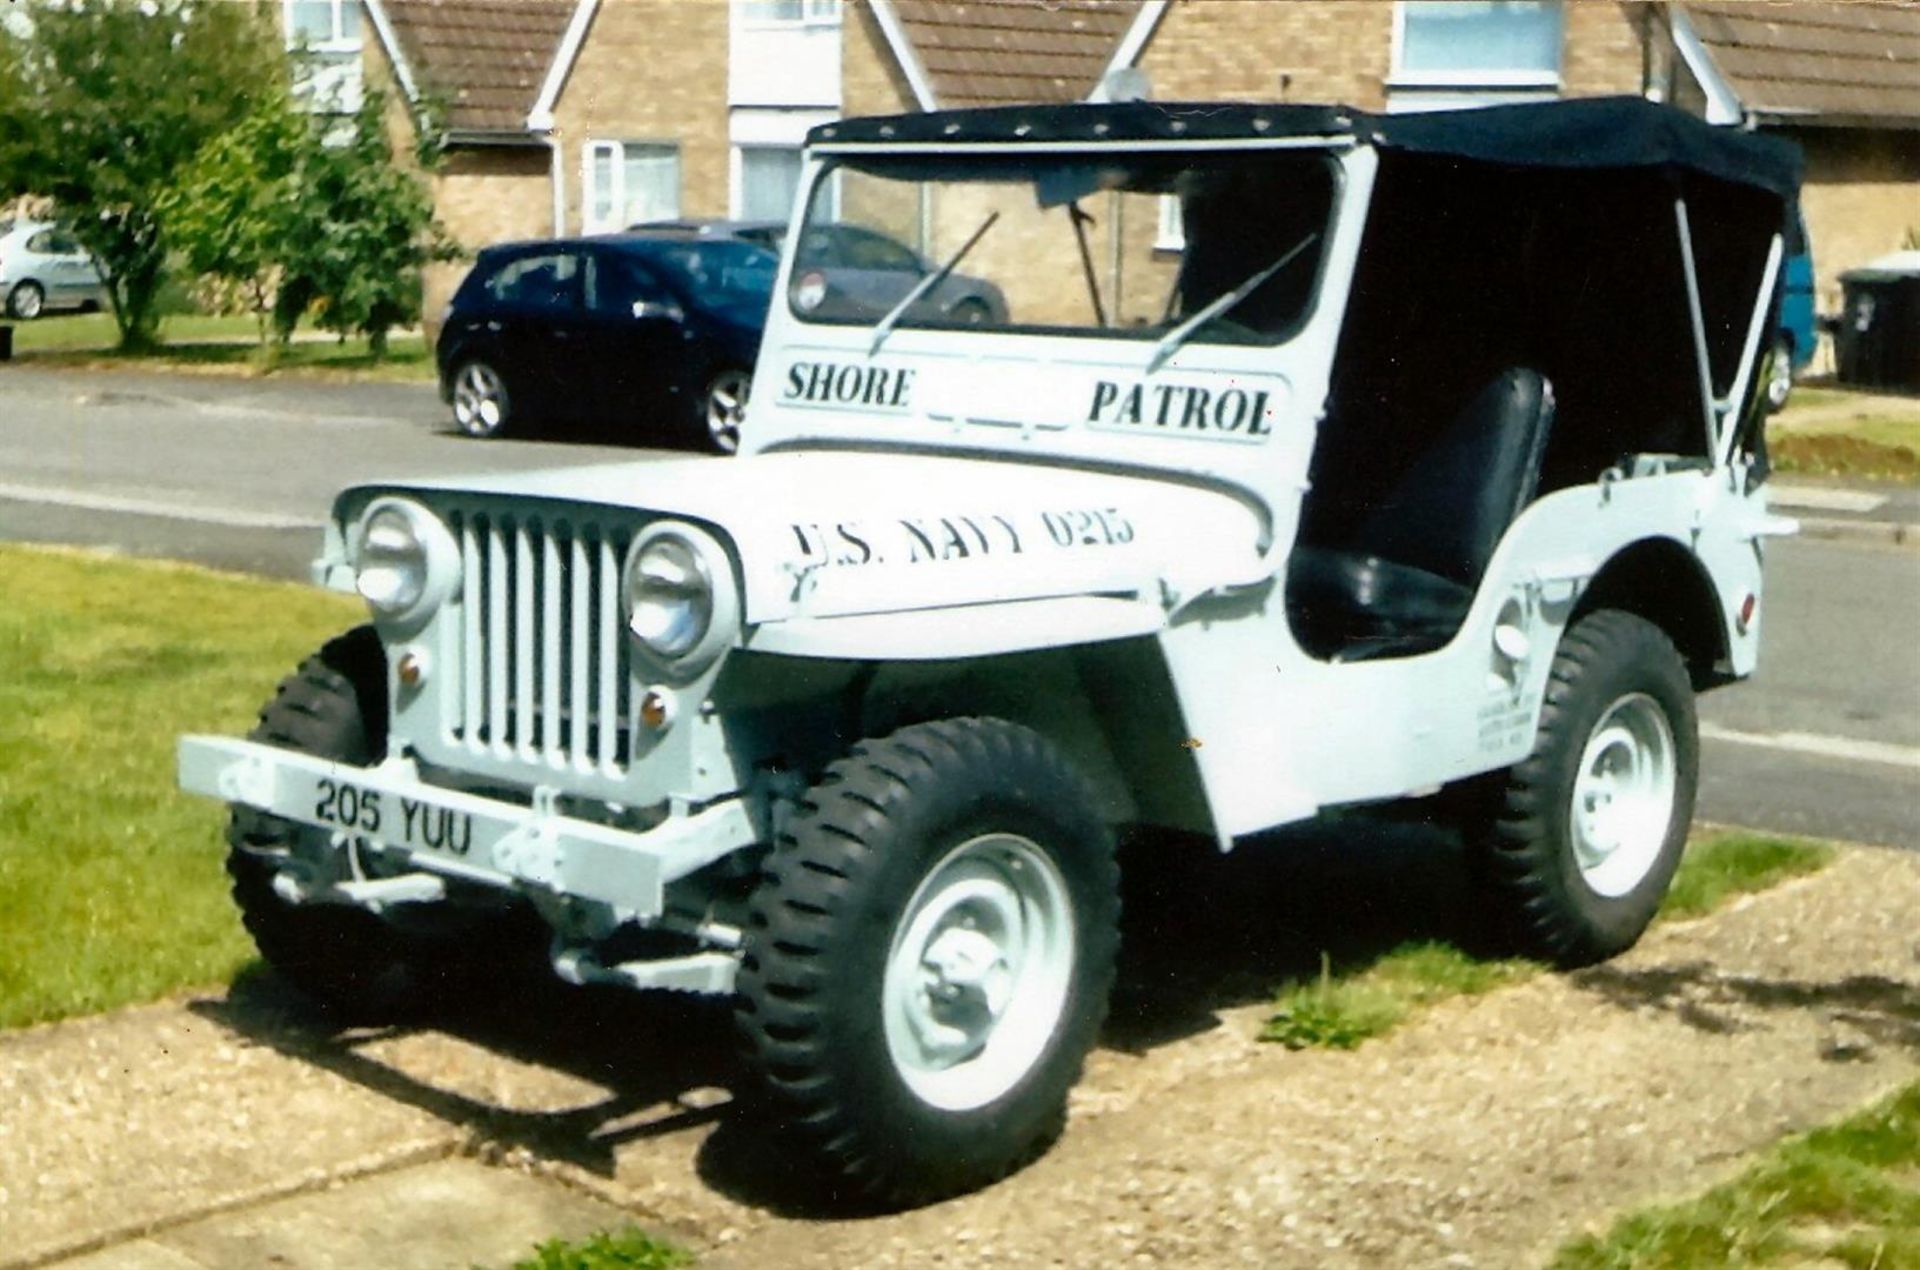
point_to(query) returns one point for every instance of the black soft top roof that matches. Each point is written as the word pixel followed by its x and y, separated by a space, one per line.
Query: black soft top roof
pixel 1584 132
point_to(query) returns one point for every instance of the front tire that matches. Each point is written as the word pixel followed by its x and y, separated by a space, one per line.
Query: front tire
pixel 482 406
pixel 1589 829
pixel 27 301
pixel 928 959
pixel 350 962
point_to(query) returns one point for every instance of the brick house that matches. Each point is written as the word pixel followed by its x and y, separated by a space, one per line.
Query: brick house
pixel 1840 79
pixel 579 116
pixel 1843 81
pixel 585 115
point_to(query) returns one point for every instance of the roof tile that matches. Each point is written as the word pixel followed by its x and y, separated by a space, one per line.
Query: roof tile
pixel 1856 59
pixel 483 60
pixel 989 52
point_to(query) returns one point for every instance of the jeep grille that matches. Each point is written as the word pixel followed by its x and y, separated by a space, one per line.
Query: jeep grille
pixel 543 657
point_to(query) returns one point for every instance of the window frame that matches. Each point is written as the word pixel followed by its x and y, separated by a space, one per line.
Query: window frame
pixel 1170 229
pixel 338 42
pixel 1467 80
pixel 590 150
pixel 741 151
pixel 813 13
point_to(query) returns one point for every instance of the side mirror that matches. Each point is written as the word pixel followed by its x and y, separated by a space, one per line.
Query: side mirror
pixel 657 310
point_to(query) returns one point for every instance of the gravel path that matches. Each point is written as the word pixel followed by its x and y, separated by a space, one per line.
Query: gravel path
pixel 1484 1134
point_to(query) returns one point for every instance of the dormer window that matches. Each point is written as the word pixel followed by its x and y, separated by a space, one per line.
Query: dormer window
pixel 1474 52
pixel 791 12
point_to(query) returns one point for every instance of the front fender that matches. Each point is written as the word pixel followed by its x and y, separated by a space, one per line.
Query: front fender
pixel 972 631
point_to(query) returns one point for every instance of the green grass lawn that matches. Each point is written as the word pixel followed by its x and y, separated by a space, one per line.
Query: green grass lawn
pixel 1844 1196
pixel 624 1250
pixel 1876 439
pixel 111 884
pixel 226 345
pixel 1342 1008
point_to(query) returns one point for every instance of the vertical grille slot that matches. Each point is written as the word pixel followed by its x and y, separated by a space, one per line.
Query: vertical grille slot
pixel 543 667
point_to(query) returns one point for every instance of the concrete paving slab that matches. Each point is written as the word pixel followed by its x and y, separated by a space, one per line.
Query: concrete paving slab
pixel 141 1254
pixel 440 1216
pixel 171 1115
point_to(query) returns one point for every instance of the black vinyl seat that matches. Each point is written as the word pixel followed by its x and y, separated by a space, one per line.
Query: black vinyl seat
pixel 1405 582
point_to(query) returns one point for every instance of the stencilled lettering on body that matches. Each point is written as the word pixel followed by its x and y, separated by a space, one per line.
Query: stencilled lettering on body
pixel 935 539
pixel 888 388
pixel 1227 413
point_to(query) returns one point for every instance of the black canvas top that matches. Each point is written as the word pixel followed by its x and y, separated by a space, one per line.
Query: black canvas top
pixel 1581 132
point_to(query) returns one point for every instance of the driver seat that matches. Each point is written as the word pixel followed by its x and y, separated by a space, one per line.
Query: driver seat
pixel 1405 583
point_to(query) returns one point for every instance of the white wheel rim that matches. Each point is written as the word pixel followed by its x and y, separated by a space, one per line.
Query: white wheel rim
pixel 978 973
pixel 727 409
pixel 1623 796
pixel 29 302
pixel 1780 384
pixel 479 400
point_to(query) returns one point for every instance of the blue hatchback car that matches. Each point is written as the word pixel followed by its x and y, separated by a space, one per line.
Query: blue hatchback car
pixel 660 331
pixel 1793 343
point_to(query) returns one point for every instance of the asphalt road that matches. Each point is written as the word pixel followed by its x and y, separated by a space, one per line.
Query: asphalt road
pixel 239 473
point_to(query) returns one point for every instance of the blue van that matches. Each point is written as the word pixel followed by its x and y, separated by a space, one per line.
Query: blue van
pixel 1793 343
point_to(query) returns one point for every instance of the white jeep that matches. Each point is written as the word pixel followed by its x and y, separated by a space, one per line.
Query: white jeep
pixel 1321 459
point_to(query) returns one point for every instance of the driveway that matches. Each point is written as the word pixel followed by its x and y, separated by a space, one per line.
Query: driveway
pixel 229 1132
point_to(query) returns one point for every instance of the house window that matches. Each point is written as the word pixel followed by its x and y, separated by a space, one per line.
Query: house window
pixel 328 76
pixel 1170 234
pixel 331 25
pixel 1477 44
pixel 791 12
pixel 768 177
pixel 630 183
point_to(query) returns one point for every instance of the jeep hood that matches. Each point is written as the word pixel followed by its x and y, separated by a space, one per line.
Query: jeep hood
pixel 832 534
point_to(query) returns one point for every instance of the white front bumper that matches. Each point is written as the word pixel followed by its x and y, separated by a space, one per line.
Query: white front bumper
pixel 483 840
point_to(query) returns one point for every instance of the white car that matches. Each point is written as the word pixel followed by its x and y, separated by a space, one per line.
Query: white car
pixel 43 268
pixel 1333 459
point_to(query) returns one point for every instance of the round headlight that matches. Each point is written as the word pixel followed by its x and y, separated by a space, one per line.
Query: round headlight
pixel 391 570
pixel 669 597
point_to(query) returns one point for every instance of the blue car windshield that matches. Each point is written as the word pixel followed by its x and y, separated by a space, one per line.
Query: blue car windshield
pixel 723 274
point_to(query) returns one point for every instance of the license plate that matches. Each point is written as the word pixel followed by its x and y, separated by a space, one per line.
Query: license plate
pixel 395 821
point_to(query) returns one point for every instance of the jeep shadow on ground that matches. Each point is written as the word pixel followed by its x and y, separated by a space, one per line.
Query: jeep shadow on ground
pixel 657 1063
pixel 1859 1013
pixel 1201 932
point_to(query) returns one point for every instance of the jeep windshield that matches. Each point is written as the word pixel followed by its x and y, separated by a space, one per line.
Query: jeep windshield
pixel 1188 247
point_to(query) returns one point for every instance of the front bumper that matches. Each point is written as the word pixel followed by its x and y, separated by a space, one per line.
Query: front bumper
pixel 464 836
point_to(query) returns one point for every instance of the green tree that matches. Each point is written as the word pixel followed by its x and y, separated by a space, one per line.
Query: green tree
pixel 363 229
pixel 104 102
pixel 229 214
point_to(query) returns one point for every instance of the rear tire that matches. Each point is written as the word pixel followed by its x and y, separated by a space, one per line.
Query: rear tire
pixel 928 960
pixel 482 406
pixel 27 301
pixel 348 961
pixel 972 313
pixel 722 409
pixel 1780 374
pixel 1587 832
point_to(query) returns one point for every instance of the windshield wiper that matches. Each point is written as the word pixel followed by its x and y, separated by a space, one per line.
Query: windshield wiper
pixel 1172 340
pixel 886 324
pixel 1080 221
